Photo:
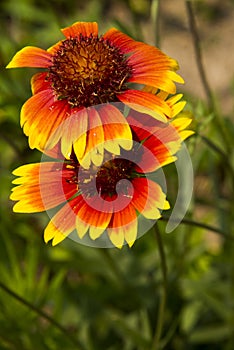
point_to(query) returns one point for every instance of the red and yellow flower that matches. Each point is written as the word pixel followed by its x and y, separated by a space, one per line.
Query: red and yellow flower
pixel 107 198
pixel 85 70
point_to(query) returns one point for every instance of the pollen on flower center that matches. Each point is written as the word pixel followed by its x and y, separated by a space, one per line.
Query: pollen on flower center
pixel 111 173
pixel 88 71
pixel 103 180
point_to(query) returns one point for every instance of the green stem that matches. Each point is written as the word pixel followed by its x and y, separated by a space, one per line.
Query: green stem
pixel 198 53
pixel 155 20
pixel 214 147
pixel 161 311
pixel 201 225
pixel 42 314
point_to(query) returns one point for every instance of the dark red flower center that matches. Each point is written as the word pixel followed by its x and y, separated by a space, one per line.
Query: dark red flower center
pixel 111 173
pixel 106 179
pixel 88 71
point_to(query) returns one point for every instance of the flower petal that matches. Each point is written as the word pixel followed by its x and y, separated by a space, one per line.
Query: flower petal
pixel 116 129
pixel 162 81
pixel 172 100
pixel 95 140
pixel 148 57
pixel 102 220
pixel 81 227
pixel 54 48
pixel 41 115
pixel 148 198
pixel 54 152
pixel 176 107
pixel 130 232
pixel 159 153
pixel 123 226
pixel 116 236
pixel 121 40
pixel 71 131
pixel 95 220
pixel 64 222
pixel 147 103
pixel 31 56
pixel 84 28
pixel 39 83
pixel 152 67
pixel 160 143
pixel 42 186
pixel 186 133
pixel 39 104
pixel 180 124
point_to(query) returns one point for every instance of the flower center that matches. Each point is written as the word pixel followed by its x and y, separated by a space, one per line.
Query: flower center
pixel 87 71
pixel 106 179
pixel 111 173
pixel 103 180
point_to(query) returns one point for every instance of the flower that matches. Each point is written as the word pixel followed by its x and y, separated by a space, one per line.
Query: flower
pixel 86 70
pixel 108 198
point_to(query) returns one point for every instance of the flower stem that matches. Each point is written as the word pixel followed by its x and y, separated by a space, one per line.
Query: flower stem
pixel 154 11
pixel 201 225
pixel 161 310
pixel 198 53
pixel 208 91
pixel 42 314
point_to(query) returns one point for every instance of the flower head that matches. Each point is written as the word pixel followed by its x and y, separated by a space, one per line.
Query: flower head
pixel 85 70
pixel 108 198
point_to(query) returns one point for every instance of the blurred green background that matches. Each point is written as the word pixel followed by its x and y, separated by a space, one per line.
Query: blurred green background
pixel 76 297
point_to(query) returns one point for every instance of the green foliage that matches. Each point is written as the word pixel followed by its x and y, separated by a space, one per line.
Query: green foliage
pixel 76 297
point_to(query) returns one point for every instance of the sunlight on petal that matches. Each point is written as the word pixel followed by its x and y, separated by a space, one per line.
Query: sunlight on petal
pixel 31 56
pixel 84 28
pixel 147 103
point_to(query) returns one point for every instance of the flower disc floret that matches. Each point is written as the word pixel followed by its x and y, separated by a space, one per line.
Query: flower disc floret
pixel 88 71
pixel 105 179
